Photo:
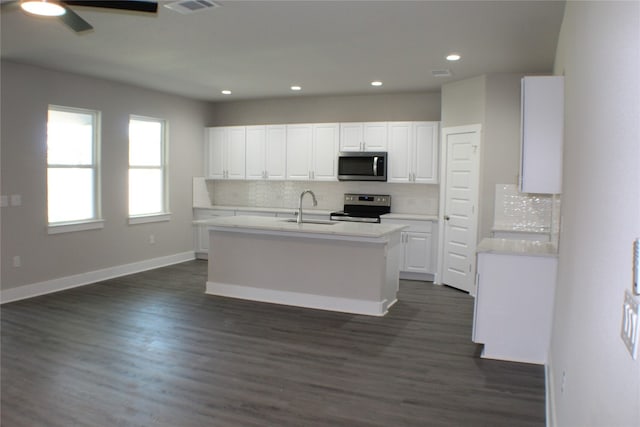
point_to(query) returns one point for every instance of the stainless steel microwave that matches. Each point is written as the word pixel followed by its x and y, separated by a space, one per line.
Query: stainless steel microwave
pixel 362 166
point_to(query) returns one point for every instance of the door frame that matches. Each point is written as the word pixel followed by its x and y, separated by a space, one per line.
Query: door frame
pixel 477 128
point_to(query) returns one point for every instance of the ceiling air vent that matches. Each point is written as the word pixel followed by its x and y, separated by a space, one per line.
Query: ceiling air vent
pixel 187 7
pixel 441 73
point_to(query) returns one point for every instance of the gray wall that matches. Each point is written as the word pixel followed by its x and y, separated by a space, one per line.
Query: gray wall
pixel 598 52
pixel 319 109
pixel 493 101
pixel 26 93
pixel 463 102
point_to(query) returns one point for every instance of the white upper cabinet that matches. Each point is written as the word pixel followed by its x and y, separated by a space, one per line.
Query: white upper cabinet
pixel 413 152
pixel 542 130
pixel 312 151
pixel 226 153
pixel 368 136
pixel 266 152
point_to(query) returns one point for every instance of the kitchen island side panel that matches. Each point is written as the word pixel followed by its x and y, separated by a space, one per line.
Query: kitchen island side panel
pixel 248 265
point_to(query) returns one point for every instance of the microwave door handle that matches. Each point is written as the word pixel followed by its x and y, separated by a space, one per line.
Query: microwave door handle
pixel 375 166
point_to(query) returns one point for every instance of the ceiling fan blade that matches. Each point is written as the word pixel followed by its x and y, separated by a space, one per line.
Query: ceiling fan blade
pixel 133 5
pixel 74 21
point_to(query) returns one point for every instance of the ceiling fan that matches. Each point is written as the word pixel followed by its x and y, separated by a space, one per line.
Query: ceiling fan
pixel 62 9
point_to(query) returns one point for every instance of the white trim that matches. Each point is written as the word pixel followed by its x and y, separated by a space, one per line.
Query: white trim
pixel 68 227
pixel 55 285
pixel 298 299
pixel 549 396
pixel 145 219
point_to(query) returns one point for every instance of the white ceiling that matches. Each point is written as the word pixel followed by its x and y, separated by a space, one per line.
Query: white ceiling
pixel 258 49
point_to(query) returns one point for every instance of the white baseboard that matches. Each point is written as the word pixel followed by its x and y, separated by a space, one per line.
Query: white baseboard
pixel 298 299
pixel 62 283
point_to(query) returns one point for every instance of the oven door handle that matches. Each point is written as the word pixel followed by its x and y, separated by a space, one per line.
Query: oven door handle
pixel 375 166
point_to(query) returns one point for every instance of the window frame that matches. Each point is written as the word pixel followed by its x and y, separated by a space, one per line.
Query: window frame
pixel 97 222
pixel 165 214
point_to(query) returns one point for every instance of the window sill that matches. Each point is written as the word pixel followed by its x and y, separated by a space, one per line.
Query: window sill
pixel 144 219
pixel 69 227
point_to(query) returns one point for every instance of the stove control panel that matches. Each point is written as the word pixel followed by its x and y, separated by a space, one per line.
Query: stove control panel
pixel 367 199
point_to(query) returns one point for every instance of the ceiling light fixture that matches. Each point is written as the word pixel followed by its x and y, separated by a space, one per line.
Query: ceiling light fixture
pixel 43 7
pixel 453 57
pixel 226 92
pixel 376 83
pixel 296 88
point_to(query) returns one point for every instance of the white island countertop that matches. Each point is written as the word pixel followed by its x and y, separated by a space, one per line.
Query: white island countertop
pixel 517 247
pixel 281 225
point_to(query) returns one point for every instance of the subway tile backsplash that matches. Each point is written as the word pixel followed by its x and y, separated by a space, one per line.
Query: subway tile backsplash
pixel 405 198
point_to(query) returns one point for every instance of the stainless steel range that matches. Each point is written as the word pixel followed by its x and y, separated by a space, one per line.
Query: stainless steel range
pixel 363 208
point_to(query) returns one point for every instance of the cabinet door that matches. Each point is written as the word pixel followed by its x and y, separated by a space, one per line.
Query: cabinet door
pixel 236 151
pixel 400 158
pixel 426 152
pixel 542 134
pixel 275 152
pixel 325 152
pixel 417 257
pixel 255 155
pixel 375 136
pixel 299 151
pixel 215 153
pixel 351 137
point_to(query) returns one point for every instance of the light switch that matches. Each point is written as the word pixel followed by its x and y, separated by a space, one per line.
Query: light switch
pixel 16 200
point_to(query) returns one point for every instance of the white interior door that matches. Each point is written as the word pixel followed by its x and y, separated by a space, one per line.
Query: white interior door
pixel 461 146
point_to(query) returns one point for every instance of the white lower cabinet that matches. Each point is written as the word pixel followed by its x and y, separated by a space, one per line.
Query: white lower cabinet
pixel 201 233
pixel 417 253
pixel 514 306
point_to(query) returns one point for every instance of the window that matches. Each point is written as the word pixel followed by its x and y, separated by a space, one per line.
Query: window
pixel 147 170
pixel 73 178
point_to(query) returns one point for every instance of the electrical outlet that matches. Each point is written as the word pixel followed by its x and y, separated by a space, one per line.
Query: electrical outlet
pixel 17 261
pixel 630 323
pixel 152 239
pixel 16 200
pixel 4 201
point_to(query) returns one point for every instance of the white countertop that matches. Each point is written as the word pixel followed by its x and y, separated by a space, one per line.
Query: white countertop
pixel 517 247
pixel 521 229
pixel 336 228
pixel 416 217
pixel 309 211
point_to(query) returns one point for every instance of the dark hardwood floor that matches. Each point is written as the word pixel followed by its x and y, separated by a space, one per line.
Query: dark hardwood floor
pixel 151 349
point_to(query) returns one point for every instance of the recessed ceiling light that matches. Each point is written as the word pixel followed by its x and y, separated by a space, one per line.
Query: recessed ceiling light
pixel 43 7
pixel 376 83
pixel 296 87
pixel 453 57
pixel 226 92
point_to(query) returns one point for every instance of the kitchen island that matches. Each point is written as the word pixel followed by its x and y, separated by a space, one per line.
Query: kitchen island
pixel 339 266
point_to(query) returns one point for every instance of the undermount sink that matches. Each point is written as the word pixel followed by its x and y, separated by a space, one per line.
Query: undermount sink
pixel 312 221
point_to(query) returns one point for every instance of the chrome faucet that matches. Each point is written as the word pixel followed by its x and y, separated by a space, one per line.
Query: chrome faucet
pixel 315 203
